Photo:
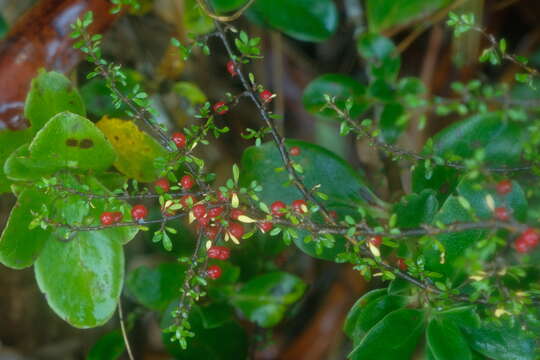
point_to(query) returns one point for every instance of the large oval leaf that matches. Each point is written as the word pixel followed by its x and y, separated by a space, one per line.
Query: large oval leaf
pixel 446 342
pixel 51 93
pixel 19 245
pixel 72 141
pixel 156 288
pixel 225 341
pixel 393 338
pixel 501 342
pixel 136 150
pixel 20 166
pixel 501 139
pixel 10 141
pixel 266 298
pixel 383 14
pixel 82 278
pixel 307 20
pixel 338 180
pixel 364 315
pixel 341 87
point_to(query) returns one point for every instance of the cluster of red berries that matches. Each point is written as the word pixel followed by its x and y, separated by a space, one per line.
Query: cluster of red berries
pixel 278 208
pixel 219 253
pixel 527 241
pixel 503 187
pixel 138 212
pixel 110 217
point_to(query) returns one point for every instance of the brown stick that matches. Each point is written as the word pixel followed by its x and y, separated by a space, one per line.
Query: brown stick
pixel 40 39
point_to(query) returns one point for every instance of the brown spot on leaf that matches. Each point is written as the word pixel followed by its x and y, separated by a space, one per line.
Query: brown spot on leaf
pixel 86 143
pixel 72 142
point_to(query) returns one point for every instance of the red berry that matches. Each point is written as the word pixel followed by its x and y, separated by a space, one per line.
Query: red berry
pixel 139 212
pixel 295 151
pixel 211 232
pixel 187 182
pixel 221 196
pixel 501 213
pixel 179 139
pixel 236 213
pixel 375 240
pixel 300 206
pixel 220 108
pixel 236 229
pixel 266 226
pixel 106 218
pixel 163 184
pixel 504 187
pixel 266 96
pixel 203 221
pixel 231 69
pixel 117 216
pixel 199 211
pixel 213 272
pixel 277 208
pixel 333 214
pixel 219 252
pixel 521 246
pixel 401 264
pixel 215 212
pixel 530 237
pixel 184 200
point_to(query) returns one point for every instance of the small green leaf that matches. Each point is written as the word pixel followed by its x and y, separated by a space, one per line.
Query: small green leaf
pixel 266 298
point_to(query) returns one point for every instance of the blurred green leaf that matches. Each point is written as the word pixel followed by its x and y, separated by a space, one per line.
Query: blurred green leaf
pixel 368 311
pixel 416 209
pixel 501 342
pixel 225 342
pixel 393 338
pixel 501 139
pixel 306 20
pixel 384 14
pixel 156 288
pixel 381 56
pixel 342 87
pixel 446 342
pixel 265 298
pixel 108 347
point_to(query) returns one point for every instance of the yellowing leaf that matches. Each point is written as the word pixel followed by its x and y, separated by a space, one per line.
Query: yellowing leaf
pixel 136 150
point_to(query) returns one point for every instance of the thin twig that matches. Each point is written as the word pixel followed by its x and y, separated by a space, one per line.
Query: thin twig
pixel 124 332
pixel 400 152
pixel 224 18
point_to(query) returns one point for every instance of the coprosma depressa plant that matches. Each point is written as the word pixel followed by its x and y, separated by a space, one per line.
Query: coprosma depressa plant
pixel 458 255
